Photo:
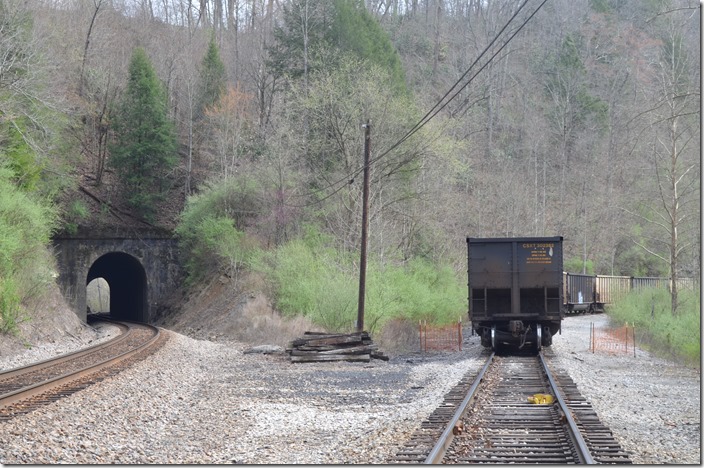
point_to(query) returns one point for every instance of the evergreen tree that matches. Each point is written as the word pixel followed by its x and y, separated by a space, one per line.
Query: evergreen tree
pixel 144 148
pixel 357 31
pixel 318 33
pixel 213 79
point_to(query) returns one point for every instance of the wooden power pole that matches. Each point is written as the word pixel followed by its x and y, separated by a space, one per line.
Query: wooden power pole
pixel 365 227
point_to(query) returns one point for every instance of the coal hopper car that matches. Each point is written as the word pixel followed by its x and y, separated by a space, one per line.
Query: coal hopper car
pixel 515 290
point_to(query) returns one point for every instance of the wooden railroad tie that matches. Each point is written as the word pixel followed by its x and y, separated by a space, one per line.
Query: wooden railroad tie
pixel 322 347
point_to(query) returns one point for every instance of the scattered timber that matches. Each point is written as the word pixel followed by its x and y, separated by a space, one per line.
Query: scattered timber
pixel 325 347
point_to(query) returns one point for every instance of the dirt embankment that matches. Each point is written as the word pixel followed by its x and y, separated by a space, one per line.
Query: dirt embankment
pixel 46 319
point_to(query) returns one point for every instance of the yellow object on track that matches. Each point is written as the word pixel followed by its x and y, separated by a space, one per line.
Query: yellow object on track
pixel 541 399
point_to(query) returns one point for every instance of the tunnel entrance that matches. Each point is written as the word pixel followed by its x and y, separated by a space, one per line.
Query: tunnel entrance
pixel 127 283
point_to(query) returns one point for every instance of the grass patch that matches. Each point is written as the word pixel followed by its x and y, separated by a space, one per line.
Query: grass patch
pixel 657 330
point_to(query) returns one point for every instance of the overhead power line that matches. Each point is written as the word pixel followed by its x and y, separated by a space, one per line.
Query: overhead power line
pixel 440 104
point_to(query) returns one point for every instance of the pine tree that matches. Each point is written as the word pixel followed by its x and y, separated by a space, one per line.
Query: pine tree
pixel 144 148
pixel 213 79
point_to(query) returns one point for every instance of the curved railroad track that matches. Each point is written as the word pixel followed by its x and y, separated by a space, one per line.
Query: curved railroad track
pixel 24 389
pixel 487 418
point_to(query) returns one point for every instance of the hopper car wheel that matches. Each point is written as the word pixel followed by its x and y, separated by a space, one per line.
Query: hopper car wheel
pixel 539 337
pixel 493 338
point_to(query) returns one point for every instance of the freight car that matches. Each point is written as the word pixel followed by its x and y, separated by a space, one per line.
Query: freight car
pixel 592 293
pixel 515 290
pixel 581 294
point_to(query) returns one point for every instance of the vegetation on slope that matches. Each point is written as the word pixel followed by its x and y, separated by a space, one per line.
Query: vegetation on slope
pixel 312 278
pixel 673 336
pixel 589 130
pixel 26 266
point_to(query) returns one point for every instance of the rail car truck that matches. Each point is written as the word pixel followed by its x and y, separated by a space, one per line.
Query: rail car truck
pixel 515 290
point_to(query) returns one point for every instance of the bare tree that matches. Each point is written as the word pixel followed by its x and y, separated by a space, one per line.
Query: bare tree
pixel 673 148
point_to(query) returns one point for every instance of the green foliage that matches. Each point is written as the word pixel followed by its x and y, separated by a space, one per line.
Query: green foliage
pixel 566 84
pixel 210 229
pixel 213 78
pixel 577 265
pixel 25 266
pixel 356 30
pixel 332 108
pixel 21 156
pixel 633 260
pixel 76 212
pixel 325 31
pixel 600 6
pixel 665 334
pixel 9 305
pixel 144 150
pixel 568 58
pixel 300 31
pixel 328 292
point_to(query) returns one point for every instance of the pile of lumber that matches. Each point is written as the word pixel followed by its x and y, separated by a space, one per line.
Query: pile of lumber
pixel 318 347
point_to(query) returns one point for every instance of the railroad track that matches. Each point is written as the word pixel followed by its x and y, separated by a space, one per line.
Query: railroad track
pixel 487 418
pixel 24 389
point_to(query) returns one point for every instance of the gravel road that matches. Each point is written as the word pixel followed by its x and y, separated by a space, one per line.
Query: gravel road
pixel 204 402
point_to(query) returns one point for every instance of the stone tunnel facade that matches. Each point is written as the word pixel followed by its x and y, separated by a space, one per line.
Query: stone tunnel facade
pixel 140 266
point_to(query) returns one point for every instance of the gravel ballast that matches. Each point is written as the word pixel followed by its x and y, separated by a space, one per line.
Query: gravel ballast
pixel 204 402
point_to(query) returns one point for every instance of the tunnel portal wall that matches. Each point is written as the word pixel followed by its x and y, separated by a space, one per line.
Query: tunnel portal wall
pixel 155 252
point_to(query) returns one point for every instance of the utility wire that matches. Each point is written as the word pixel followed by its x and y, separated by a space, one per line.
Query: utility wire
pixel 439 106
pixel 433 112
pixel 426 118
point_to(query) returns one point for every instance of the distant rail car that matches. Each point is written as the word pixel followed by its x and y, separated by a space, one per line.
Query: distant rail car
pixel 592 293
pixel 515 290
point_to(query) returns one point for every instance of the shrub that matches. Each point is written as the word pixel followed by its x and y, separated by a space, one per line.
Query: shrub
pixel 322 284
pixel 76 212
pixel 210 232
pixel 25 264
pixel 665 334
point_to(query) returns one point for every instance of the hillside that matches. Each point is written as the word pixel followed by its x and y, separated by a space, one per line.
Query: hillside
pixel 488 119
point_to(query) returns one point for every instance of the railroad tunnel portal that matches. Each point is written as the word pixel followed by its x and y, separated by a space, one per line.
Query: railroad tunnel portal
pixel 141 269
pixel 128 285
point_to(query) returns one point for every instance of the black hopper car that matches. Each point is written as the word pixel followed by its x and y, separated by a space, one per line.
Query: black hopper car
pixel 515 290
pixel 581 294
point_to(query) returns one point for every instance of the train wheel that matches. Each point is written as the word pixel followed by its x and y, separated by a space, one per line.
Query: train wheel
pixel 493 338
pixel 538 337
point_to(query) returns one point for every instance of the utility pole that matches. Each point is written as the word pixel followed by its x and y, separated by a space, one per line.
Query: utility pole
pixel 365 226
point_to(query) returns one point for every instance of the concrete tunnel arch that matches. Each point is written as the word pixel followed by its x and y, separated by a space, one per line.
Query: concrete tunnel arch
pixel 128 285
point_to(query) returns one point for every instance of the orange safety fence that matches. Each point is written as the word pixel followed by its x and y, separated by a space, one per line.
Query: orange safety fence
pixel 620 340
pixel 447 338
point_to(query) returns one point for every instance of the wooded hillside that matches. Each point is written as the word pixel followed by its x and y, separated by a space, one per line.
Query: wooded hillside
pixel 489 118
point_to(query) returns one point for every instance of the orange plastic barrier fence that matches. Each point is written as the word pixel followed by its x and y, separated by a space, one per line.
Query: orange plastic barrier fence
pixel 447 338
pixel 620 340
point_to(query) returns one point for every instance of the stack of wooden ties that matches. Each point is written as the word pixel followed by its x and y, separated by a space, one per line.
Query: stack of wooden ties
pixel 319 347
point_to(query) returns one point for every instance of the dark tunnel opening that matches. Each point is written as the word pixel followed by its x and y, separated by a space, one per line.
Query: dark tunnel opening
pixel 128 285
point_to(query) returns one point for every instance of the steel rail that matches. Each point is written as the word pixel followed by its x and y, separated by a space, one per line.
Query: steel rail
pixel 35 366
pixel 583 452
pixel 438 452
pixel 15 396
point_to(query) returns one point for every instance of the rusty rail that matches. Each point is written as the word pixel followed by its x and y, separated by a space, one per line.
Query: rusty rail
pixel 65 374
